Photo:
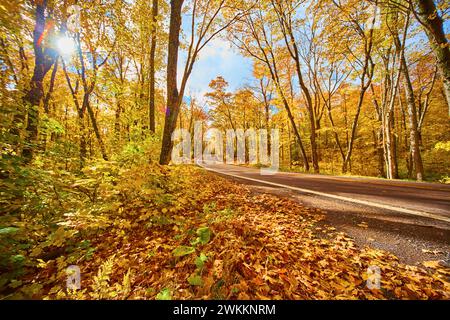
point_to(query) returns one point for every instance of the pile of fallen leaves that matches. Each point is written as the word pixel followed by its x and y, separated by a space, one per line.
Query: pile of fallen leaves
pixel 183 233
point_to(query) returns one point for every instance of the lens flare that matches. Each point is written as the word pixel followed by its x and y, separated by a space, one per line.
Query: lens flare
pixel 66 45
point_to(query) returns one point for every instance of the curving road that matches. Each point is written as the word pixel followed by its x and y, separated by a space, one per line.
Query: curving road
pixel 409 219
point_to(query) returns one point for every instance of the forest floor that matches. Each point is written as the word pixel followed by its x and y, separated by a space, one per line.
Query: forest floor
pixel 184 233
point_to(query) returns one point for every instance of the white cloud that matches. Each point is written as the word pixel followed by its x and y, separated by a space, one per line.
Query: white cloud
pixel 218 49
pixel 218 58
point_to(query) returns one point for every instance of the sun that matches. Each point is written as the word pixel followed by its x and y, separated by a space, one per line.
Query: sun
pixel 66 45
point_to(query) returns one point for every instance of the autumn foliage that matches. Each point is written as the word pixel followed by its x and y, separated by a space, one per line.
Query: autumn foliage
pixel 148 232
pixel 92 91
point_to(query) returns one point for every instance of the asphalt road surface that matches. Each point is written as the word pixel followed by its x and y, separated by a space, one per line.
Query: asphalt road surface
pixel 409 219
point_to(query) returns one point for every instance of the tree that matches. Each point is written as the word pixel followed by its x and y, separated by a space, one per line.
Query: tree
pixel 365 65
pixel 220 100
pixel 432 22
pixel 44 59
pixel 371 102
pixel 214 18
pixel 151 101
pixel 94 36
pixel 254 36
pixel 285 14
pixel 173 100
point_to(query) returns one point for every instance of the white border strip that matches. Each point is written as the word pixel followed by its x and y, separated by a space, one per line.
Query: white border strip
pixel 322 194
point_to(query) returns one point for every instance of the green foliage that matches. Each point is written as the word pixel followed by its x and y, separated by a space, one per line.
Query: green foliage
pixel 195 280
pixel 204 235
pixel 165 294
pixel 49 215
pixel 200 260
pixel 8 230
pixel 51 125
pixel 209 207
pixel 46 214
pixel 183 251
pixel 139 152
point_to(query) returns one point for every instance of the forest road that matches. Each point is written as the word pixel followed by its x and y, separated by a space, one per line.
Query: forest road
pixel 409 219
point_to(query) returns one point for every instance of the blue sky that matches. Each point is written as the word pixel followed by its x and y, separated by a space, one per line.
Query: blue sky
pixel 217 58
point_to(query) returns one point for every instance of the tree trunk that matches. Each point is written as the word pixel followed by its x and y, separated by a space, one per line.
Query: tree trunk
pixel 117 121
pixel 348 156
pixel 95 126
pixel 275 77
pixel 51 87
pixel 47 100
pixel 335 133
pixel 151 107
pixel 290 41
pixel 392 171
pixel 266 123
pixel 380 153
pixel 44 59
pixel 81 111
pixel 411 103
pixel 310 107
pixel 173 99
pixel 83 145
pixel 412 115
pixel 367 72
pixel 434 29
pixel 299 140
